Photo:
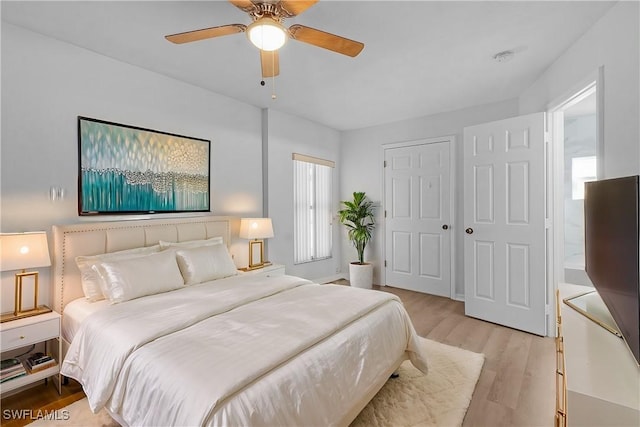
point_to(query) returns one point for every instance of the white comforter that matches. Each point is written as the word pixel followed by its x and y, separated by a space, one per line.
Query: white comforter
pixel 242 351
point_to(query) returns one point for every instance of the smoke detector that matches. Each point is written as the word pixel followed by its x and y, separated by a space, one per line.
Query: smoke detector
pixel 503 56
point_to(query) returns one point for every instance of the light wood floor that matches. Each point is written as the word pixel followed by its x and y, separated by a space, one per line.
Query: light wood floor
pixel 517 383
pixel 516 386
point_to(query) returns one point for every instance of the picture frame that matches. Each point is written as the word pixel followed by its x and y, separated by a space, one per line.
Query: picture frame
pixel 125 169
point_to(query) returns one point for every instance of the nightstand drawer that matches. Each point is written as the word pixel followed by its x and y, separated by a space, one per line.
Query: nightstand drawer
pixel 30 334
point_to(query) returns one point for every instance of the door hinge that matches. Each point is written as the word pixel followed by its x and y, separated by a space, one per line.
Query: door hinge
pixel 547 309
pixel 385 262
pixel 385 213
pixel 384 164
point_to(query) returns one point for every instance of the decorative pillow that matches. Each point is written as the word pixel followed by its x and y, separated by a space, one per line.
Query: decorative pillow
pixel 133 278
pixel 205 263
pixel 89 277
pixel 191 243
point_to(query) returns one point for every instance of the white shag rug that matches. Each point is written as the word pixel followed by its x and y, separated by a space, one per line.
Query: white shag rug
pixel 440 398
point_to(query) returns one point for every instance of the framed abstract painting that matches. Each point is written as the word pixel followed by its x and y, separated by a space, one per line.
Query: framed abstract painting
pixel 131 170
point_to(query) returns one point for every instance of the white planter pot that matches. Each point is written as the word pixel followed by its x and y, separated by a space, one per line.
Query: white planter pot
pixel 361 276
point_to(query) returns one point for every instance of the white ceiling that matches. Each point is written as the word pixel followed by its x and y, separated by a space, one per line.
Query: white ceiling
pixel 420 57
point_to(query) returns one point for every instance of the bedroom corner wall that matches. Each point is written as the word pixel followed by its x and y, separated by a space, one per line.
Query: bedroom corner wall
pixel 612 42
pixel 289 134
pixel 46 84
pixel 361 168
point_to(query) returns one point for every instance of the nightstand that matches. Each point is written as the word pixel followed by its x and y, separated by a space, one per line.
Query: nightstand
pixel 272 270
pixel 42 328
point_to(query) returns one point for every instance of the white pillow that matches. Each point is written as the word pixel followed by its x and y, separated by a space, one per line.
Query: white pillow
pixel 205 263
pixel 191 243
pixel 133 278
pixel 89 277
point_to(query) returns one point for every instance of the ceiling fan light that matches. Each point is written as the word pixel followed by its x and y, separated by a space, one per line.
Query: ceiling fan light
pixel 267 34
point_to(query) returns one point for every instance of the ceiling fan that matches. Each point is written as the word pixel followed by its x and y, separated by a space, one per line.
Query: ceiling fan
pixel 268 34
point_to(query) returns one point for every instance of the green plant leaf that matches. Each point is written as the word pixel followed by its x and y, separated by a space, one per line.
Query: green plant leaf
pixel 358 216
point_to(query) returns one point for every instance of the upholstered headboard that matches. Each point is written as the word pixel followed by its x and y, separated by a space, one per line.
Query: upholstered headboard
pixel 94 238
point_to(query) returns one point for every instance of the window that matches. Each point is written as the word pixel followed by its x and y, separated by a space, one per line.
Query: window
pixel 312 210
pixel 583 169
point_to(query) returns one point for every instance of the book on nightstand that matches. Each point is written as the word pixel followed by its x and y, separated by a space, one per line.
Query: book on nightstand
pixel 40 361
pixel 10 369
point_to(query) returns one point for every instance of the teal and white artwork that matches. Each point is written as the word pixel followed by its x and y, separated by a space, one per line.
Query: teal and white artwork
pixel 126 169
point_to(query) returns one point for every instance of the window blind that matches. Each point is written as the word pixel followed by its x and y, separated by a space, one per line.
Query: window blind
pixel 313 210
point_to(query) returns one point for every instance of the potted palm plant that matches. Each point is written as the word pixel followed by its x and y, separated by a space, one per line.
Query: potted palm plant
pixel 357 216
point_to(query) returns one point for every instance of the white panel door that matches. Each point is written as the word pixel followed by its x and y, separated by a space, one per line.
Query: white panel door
pixel 417 204
pixel 504 221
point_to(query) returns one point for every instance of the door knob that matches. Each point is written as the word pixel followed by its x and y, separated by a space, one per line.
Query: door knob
pixel 445 227
pixel 469 230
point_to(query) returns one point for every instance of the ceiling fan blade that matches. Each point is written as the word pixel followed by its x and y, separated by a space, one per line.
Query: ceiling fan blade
pixel 244 5
pixel 326 40
pixel 270 63
pixel 205 33
pixel 295 7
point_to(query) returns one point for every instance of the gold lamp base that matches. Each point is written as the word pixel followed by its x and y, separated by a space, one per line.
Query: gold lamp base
pixel 256 255
pixel 7 317
pixel 256 267
pixel 18 312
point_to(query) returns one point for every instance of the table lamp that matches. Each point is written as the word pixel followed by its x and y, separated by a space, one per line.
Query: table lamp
pixel 20 251
pixel 256 229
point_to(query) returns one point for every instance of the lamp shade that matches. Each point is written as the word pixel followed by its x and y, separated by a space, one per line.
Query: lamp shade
pixel 267 34
pixel 24 250
pixel 256 228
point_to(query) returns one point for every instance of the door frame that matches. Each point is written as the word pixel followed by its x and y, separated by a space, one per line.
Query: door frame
pixel 451 139
pixel 555 176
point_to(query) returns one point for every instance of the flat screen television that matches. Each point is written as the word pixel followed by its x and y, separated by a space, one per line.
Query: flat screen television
pixel 612 253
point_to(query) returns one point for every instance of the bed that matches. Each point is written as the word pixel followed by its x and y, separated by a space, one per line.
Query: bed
pixel 235 350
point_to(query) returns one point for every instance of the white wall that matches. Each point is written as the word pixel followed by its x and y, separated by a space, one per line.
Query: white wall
pixel 361 168
pixel 46 84
pixel 579 141
pixel 289 134
pixel 612 43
